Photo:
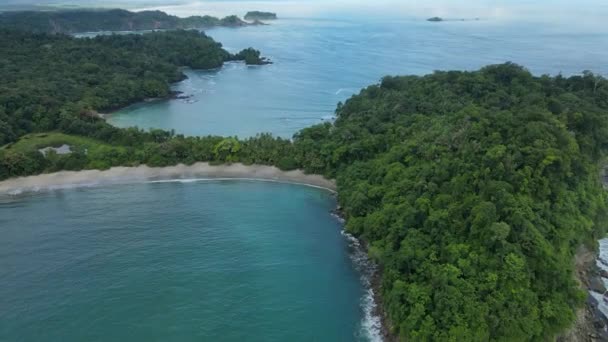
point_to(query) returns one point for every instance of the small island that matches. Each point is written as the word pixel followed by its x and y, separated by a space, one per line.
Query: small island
pixel 251 56
pixel 257 15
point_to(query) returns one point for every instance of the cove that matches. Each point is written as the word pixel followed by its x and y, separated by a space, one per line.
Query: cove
pixel 319 62
pixel 179 261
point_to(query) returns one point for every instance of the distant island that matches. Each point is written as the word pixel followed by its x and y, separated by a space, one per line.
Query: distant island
pixel 439 19
pixel 257 15
pixel 89 20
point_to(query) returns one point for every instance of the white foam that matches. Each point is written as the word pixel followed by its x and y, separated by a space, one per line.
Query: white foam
pixel 344 90
pixel 371 324
pixel 602 263
pixel 602 260
pixel 15 192
pixel 143 174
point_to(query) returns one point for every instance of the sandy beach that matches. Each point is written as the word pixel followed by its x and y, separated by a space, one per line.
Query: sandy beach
pixel 123 175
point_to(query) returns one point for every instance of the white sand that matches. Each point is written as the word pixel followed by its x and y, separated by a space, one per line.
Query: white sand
pixel 123 175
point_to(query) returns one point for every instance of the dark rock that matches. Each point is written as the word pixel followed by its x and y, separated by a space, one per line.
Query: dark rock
pixel 596 284
pixel 599 324
pixel 592 302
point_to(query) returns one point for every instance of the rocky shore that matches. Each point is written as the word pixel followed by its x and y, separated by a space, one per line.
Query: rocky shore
pixel 591 324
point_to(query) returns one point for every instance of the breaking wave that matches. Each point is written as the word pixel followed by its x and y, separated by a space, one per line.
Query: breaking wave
pixel 198 172
pixel 371 324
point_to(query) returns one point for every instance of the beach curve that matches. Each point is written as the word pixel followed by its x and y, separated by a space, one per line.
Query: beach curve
pixel 138 174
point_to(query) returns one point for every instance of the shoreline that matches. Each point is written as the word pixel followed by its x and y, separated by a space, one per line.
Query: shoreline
pixel 106 113
pixel 138 174
pixel 380 325
pixel 591 322
pixel 203 171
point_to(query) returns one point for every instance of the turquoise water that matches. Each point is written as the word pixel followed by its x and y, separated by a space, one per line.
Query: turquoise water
pixel 244 261
pixel 203 261
pixel 323 61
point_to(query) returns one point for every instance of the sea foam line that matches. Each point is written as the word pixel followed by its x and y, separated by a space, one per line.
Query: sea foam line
pixel 371 323
pixel 195 180
pixel 178 173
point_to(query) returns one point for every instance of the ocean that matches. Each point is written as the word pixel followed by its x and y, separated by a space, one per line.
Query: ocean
pixel 180 261
pixel 320 62
pixel 243 260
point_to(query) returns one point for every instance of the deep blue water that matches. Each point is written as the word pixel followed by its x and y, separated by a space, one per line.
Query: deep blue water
pixel 204 261
pixel 319 62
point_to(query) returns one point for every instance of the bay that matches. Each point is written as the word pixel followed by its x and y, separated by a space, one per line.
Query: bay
pixel 319 62
pixel 178 261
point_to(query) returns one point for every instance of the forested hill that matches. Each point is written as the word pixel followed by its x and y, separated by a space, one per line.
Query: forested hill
pixel 75 21
pixel 473 191
pixel 46 79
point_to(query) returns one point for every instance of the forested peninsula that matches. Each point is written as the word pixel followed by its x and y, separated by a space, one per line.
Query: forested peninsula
pixel 47 80
pixel 95 20
pixel 471 190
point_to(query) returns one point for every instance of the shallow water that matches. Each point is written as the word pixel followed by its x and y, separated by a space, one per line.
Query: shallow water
pixel 319 62
pixel 220 260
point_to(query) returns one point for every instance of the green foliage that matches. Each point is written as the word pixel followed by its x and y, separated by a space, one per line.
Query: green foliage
pixel 32 142
pixel 85 20
pixel 251 56
pixel 56 82
pixel 132 147
pixel 473 190
pixel 226 149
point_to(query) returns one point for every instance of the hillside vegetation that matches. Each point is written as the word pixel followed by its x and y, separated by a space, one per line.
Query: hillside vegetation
pixel 48 80
pixel 84 20
pixel 472 190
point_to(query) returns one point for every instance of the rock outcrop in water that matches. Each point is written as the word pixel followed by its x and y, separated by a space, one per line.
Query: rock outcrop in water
pixel 251 57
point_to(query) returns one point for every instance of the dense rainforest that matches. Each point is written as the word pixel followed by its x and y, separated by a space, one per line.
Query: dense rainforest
pixel 94 20
pixel 44 77
pixel 472 190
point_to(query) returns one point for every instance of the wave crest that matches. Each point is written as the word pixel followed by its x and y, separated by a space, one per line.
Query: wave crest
pixel 371 324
